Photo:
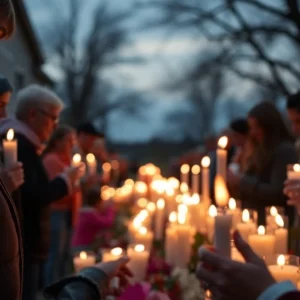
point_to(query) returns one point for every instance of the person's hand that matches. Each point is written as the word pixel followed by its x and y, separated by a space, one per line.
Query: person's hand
pixel 292 190
pixel 228 279
pixel 74 173
pixel 13 177
pixel 117 268
pixel 233 179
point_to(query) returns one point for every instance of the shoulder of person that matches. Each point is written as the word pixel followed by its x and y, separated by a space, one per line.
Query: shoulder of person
pixel 285 147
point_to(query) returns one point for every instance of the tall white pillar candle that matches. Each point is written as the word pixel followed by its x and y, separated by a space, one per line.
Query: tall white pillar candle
pixel 281 236
pixel 112 254
pixel 144 237
pixel 236 213
pixel 195 179
pixel 210 222
pixel 91 164
pixel 171 245
pixel 159 219
pixel 205 197
pixel 10 149
pixel 247 226
pixel 184 174
pixel 222 157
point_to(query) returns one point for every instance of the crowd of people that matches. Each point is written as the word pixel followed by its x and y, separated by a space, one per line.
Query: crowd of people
pixel 44 198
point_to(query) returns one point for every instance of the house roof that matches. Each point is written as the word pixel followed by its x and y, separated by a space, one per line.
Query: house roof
pixel 32 41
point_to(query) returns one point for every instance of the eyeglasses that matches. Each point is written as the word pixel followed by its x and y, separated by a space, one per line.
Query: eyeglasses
pixel 55 119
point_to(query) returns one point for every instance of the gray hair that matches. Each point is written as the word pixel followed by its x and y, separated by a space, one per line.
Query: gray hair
pixel 35 96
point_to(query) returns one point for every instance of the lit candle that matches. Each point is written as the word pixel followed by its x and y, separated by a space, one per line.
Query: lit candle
pixel 222 157
pixel 106 168
pixel 205 197
pixel 142 203
pixel 247 227
pixel 171 245
pixel 134 226
pixel 263 244
pixel 210 222
pixel 145 238
pixel 184 188
pixel 223 221
pixel 140 190
pixel 84 260
pixel 159 219
pixel 236 213
pixel 91 164
pixel 195 179
pixel 294 172
pixel 184 171
pixel 174 183
pixel 172 219
pixel 112 254
pixel 281 236
pixel 170 199
pixel 138 262
pixel 271 217
pixel 10 149
pixel 76 160
pixel 283 272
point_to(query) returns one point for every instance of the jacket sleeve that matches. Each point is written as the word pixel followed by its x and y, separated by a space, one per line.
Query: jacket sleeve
pixel 87 285
pixel 270 193
pixel 43 193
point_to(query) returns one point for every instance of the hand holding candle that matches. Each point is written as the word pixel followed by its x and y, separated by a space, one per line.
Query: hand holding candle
pixel 84 260
pixel 91 164
pixel 10 149
pixel 222 157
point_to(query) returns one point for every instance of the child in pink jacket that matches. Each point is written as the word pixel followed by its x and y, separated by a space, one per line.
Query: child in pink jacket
pixel 93 218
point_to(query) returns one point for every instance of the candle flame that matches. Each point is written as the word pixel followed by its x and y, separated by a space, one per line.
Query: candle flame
pixel 170 191
pixel 90 158
pixel 182 209
pixel 139 248
pixel 174 182
pixel 195 199
pixel 143 230
pixel 141 187
pixel 232 204
pixel 151 207
pixel 246 216
pixel 76 158
pixel 142 203
pixel 185 169
pixel 137 222
pixel 205 162
pixel 281 260
pixel 181 218
pixel 160 204
pixel 129 181
pixel 221 192
pixel 273 211
pixel 296 168
pixel 195 169
pixel 83 255
pixel 10 135
pixel 212 211
pixel 223 141
pixel 261 230
pixel 184 188
pixel 143 213
pixel 106 167
pixel 279 221
pixel 116 251
pixel 173 217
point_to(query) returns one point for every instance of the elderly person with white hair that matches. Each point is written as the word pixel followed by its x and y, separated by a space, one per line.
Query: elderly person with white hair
pixel 37 114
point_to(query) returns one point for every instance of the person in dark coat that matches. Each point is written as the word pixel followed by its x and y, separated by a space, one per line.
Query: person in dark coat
pixel 37 113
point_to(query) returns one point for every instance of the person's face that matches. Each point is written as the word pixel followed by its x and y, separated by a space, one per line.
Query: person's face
pixel 86 141
pixel 4 100
pixel 238 139
pixel 43 120
pixel 294 116
pixel 255 130
pixel 67 143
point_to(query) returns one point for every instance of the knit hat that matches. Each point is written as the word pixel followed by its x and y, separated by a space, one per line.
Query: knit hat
pixel 5 85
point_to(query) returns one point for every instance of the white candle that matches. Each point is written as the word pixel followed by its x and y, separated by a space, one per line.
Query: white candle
pixel 184 171
pixel 140 190
pixel 84 260
pixel 210 222
pixel 247 227
pixel 205 195
pixel 222 157
pixel 91 164
pixel 76 160
pixel 223 222
pixel 144 237
pixel 170 199
pixel 270 218
pixel 138 262
pixel 112 254
pixel 159 219
pixel 171 245
pixel 236 213
pixel 10 149
pixel 282 272
pixel 294 172
pixel 281 236
pixel 263 244
pixel 106 168
pixel 195 179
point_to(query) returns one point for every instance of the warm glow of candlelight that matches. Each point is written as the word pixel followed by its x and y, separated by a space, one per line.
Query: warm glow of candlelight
pixel 174 182
pixel 151 207
pixel 129 181
pixel 143 214
pixel 246 216
pixel 116 251
pixel 173 217
pixel 10 135
pixel 281 260
pixel 115 164
pixel 221 192
pixel 279 221
pixel 106 167
pixel 170 191
pixel 181 218
pixel 195 169
pixel 232 204
pixel 83 255
pixel 261 230
pixel 212 211
pixel 160 204
pixel 178 198
pixel 273 211
pixel 137 222
pixel 184 188
pixel 223 141
pixel 185 169
pixel 182 209
pixel 143 230
pixel 76 158
pixel 140 187
pixel 195 199
pixel 142 203
pixel 90 158
pixel 296 168
pixel 205 162
pixel 139 248
pixel 150 169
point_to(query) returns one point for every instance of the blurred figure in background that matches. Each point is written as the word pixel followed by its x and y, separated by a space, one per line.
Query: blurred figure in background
pixel 261 185
pixel 5 94
pixel 56 157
